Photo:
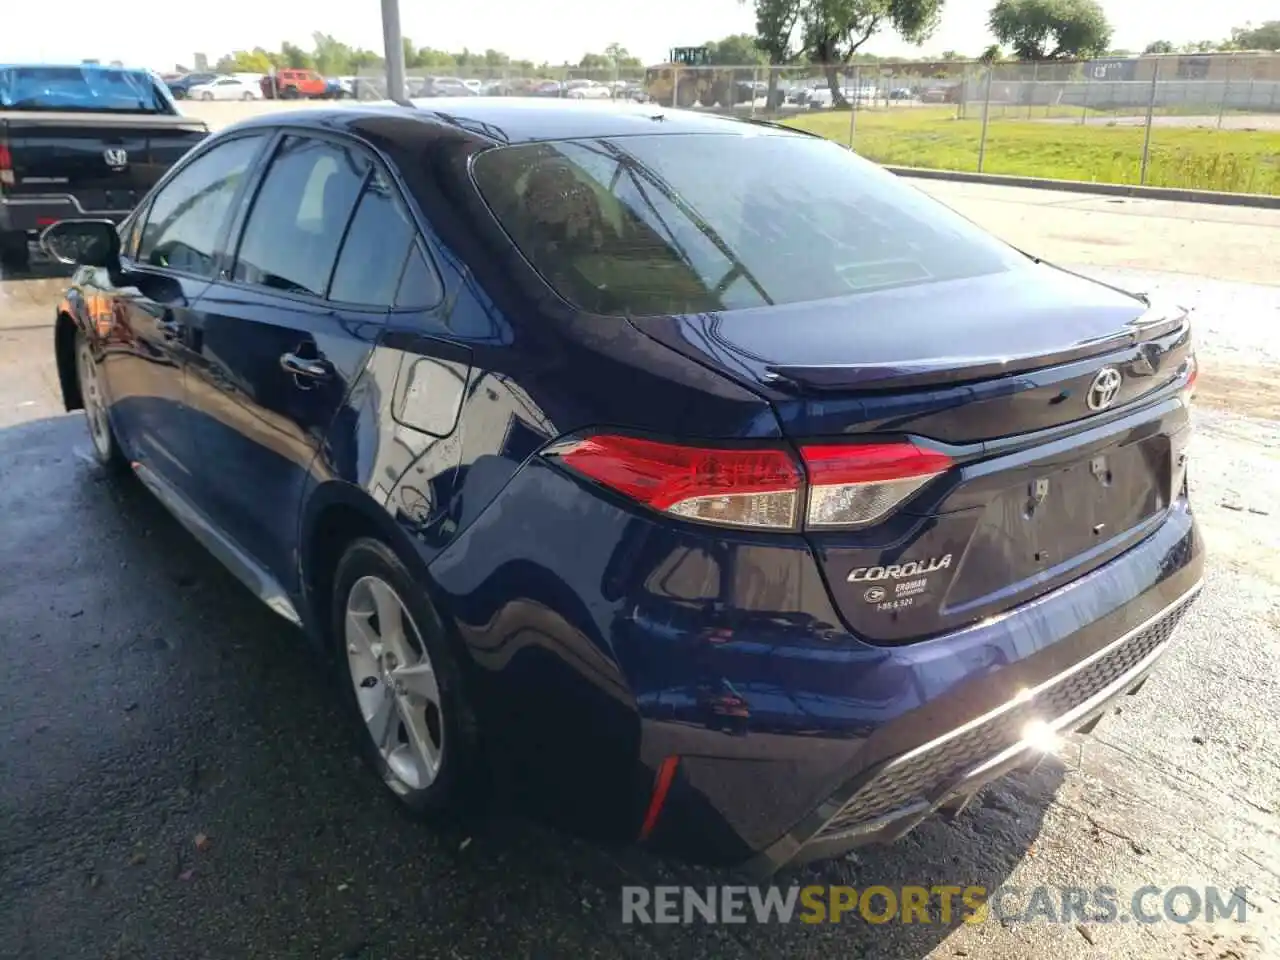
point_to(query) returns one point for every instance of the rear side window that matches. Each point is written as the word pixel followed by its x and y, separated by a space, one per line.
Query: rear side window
pixel 291 238
pixel 648 225
pixel 373 253
pixel 188 213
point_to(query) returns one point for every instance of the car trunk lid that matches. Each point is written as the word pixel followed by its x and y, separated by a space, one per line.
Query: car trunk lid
pixel 1055 399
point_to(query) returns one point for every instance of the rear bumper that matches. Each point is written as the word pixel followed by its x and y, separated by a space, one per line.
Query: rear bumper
pixel 962 706
pixel 886 803
pixel 33 213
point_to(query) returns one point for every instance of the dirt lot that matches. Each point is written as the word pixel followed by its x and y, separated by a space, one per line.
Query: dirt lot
pixel 146 698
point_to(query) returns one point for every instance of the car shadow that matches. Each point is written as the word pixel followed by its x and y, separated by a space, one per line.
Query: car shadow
pixel 220 800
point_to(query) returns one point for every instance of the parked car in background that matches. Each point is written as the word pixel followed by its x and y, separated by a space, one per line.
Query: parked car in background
pixel 441 87
pixel 338 88
pixel 290 84
pixel 475 85
pixel 587 90
pixel 81 141
pixel 226 88
pixel 547 88
pixel 180 85
pixel 694 482
pixel 941 93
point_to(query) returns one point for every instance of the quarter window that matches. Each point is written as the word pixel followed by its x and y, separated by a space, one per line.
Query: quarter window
pixel 419 285
pixel 292 235
pixel 188 214
pixel 373 253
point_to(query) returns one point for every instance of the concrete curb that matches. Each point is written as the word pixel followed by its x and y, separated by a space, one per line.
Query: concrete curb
pixel 1107 189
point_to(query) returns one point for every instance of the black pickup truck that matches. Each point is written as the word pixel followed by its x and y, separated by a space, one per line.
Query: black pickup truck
pixel 81 141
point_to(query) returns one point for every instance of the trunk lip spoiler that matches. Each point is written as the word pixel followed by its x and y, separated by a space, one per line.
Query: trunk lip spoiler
pixel 958 371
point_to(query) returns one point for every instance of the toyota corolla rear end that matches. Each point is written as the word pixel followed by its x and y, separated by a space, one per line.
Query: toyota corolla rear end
pixel 957 528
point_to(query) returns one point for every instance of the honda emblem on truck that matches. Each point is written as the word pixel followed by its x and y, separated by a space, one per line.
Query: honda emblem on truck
pixel 116 157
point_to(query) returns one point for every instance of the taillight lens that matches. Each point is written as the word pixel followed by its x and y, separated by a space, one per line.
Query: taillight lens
pixel 850 485
pixel 855 485
pixel 753 488
pixel 1193 371
pixel 6 166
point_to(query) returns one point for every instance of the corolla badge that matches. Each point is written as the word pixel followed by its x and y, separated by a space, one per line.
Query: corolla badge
pixel 116 157
pixel 897 571
pixel 1104 389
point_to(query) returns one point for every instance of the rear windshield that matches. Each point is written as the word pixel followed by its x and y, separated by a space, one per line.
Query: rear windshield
pixel 87 89
pixel 686 223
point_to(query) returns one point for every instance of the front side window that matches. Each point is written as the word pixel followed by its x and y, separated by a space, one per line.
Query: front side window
pixel 189 212
pixel 649 225
pixel 373 253
pixel 292 235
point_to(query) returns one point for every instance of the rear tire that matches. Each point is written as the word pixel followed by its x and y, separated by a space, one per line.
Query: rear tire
pixel 248 96
pixel 206 95
pixel 15 253
pixel 106 449
pixel 402 686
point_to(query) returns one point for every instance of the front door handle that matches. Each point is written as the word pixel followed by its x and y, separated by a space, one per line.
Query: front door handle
pixel 304 367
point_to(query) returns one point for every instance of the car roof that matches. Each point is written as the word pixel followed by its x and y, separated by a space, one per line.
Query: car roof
pixel 90 67
pixel 502 120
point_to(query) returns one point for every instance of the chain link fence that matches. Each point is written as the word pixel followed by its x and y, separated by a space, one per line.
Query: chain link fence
pixel 1207 121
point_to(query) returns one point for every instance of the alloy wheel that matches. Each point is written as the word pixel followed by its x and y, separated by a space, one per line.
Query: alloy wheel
pixel 395 684
pixel 95 410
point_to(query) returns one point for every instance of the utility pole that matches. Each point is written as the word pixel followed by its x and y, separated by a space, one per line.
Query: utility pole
pixel 394 45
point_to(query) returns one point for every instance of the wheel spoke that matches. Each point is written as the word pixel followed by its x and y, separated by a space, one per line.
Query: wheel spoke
pixel 384 722
pixel 425 755
pixel 390 616
pixel 419 682
pixel 360 632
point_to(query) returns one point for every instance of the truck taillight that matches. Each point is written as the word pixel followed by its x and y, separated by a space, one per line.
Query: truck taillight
pixel 849 485
pixel 6 166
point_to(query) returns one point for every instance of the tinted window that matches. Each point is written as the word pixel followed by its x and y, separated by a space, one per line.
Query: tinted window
pixel 682 224
pixel 187 215
pixel 373 253
pixel 419 285
pixel 292 235
pixel 88 88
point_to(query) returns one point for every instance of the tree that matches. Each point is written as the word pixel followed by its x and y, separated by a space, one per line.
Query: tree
pixel 1160 46
pixel 1264 37
pixel 833 30
pixel 1051 29
pixel 737 50
pixel 991 54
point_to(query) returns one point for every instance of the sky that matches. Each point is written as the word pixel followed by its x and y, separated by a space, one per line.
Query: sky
pixel 538 30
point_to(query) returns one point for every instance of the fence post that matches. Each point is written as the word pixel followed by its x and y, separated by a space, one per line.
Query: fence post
pixel 755 80
pixel 1226 91
pixel 853 107
pixel 675 86
pixel 1084 107
pixel 1035 74
pixel 1151 109
pixel 986 111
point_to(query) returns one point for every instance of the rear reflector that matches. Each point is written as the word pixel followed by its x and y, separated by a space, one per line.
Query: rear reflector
pixel 858 484
pixel 850 485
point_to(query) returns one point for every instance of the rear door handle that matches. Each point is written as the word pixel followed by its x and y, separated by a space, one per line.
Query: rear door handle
pixel 304 367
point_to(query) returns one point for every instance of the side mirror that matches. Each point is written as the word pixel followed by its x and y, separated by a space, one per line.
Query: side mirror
pixel 86 243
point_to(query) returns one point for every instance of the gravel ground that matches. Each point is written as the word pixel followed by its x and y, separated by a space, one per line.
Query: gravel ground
pixel 146 700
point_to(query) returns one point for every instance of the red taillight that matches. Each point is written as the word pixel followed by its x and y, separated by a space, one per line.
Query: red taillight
pixel 850 485
pixel 1193 371
pixel 6 166
pixel 756 488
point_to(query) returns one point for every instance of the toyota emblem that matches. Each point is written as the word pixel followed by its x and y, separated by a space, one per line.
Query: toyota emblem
pixel 1104 389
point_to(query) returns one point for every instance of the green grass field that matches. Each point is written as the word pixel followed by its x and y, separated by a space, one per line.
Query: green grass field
pixel 1240 161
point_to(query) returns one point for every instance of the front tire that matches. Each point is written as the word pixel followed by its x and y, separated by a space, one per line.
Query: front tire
pixel 106 449
pixel 206 95
pixel 402 685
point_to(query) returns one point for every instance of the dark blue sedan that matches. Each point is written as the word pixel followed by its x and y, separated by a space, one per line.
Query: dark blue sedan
pixel 620 478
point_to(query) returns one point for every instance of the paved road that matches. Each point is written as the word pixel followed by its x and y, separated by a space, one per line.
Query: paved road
pixel 145 699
